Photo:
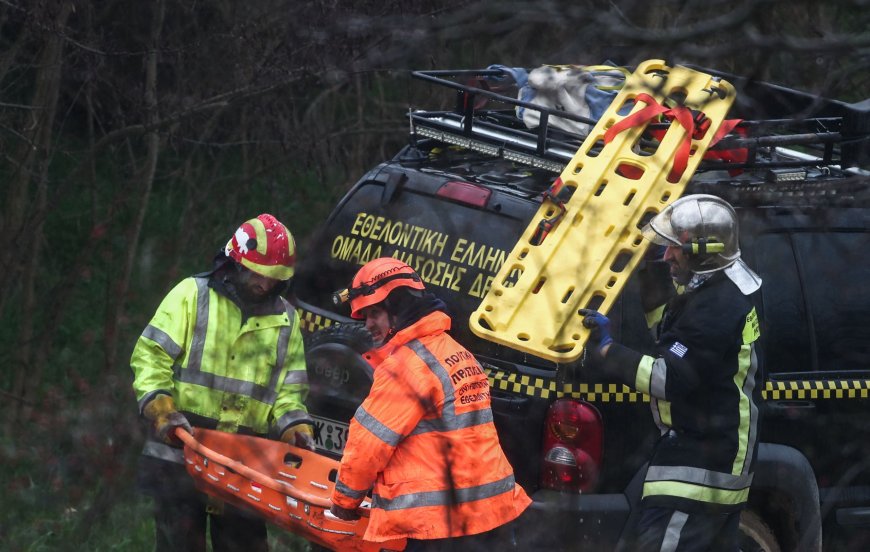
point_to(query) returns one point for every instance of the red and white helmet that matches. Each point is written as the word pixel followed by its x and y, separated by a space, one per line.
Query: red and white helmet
pixel 375 280
pixel 265 246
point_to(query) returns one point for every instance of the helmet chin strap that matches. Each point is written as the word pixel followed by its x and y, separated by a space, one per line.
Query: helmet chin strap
pixel 393 319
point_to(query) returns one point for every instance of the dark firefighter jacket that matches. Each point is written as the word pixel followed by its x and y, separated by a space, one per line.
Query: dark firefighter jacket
pixel 704 398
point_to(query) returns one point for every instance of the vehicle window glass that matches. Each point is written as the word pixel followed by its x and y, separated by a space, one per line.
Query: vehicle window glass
pixel 456 249
pixel 838 296
pixel 815 300
pixel 785 335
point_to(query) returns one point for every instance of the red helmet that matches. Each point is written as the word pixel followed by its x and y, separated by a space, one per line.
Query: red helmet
pixel 376 279
pixel 265 246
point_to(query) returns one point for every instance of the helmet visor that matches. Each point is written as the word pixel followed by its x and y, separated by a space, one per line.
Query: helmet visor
pixel 660 231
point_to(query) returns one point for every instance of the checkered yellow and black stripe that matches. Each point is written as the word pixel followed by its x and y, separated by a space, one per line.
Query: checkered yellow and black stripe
pixel 617 393
pixel 311 322
pixel 817 389
pixel 548 389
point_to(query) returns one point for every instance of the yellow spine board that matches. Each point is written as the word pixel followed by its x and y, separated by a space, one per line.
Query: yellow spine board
pixel 585 260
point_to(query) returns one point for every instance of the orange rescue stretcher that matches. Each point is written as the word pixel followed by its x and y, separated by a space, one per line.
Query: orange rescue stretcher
pixel 288 486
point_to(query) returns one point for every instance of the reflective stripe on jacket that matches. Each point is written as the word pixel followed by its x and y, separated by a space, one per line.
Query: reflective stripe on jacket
pixel 228 373
pixel 704 398
pixel 425 440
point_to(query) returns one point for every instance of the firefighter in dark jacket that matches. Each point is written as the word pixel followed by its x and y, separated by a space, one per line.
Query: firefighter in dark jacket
pixel 223 351
pixel 701 379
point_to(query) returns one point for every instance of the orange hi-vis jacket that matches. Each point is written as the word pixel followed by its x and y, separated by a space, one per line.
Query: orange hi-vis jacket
pixel 424 442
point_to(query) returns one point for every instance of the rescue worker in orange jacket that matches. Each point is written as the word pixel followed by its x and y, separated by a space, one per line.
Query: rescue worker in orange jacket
pixel 423 441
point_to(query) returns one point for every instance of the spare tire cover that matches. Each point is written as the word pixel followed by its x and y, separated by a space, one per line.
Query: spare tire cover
pixel 339 377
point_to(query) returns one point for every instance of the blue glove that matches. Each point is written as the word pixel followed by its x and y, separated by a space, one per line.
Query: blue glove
pixel 599 336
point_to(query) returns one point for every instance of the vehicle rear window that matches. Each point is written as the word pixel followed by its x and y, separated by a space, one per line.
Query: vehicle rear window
pixel 456 249
pixel 816 300
pixel 838 298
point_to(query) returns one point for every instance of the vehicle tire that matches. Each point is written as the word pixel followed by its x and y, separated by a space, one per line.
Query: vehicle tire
pixel 355 336
pixel 755 535
pixel 339 377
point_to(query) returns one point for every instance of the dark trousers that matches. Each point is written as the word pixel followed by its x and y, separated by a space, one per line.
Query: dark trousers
pixel 180 525
pixel 668 530
pixel 502 539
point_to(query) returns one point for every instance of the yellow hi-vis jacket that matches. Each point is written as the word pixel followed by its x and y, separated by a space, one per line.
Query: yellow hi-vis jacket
pixel 424 438
pixel 225 373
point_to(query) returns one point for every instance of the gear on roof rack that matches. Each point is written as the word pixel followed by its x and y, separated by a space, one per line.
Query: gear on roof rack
pixel 799 129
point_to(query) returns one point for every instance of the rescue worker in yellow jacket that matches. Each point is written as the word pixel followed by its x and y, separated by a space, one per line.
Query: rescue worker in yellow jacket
pixel 224 352
pixel 423 441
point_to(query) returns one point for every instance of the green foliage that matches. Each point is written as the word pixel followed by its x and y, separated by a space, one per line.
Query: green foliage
pixel 127 526
pixel 70 477
pixel 280 540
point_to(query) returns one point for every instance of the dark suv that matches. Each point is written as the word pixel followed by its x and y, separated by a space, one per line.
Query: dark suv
pixel 453 203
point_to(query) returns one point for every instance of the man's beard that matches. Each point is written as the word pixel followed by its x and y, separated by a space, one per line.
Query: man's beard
pixel 680 275
pixel 249 296
pixel 241 285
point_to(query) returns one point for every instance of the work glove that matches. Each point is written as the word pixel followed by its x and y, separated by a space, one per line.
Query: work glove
pixel 344 513
pixel 599 336
pixel 300 435
pixel 165 418
pixel 599 326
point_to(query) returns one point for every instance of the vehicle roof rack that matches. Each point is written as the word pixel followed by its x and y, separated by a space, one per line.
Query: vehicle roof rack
pixel 782 128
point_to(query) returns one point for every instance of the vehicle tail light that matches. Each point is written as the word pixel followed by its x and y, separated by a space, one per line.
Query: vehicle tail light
pixel 465 192
pixel 573 441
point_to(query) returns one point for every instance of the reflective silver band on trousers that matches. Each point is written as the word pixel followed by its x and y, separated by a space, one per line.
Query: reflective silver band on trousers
pixel 698 476
pixel 673 531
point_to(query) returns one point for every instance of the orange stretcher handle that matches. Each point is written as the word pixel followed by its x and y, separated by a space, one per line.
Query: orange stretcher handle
pixel 251 473
pixel 257 476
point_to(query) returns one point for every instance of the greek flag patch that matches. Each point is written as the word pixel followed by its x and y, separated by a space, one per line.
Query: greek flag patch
pixel 679 349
